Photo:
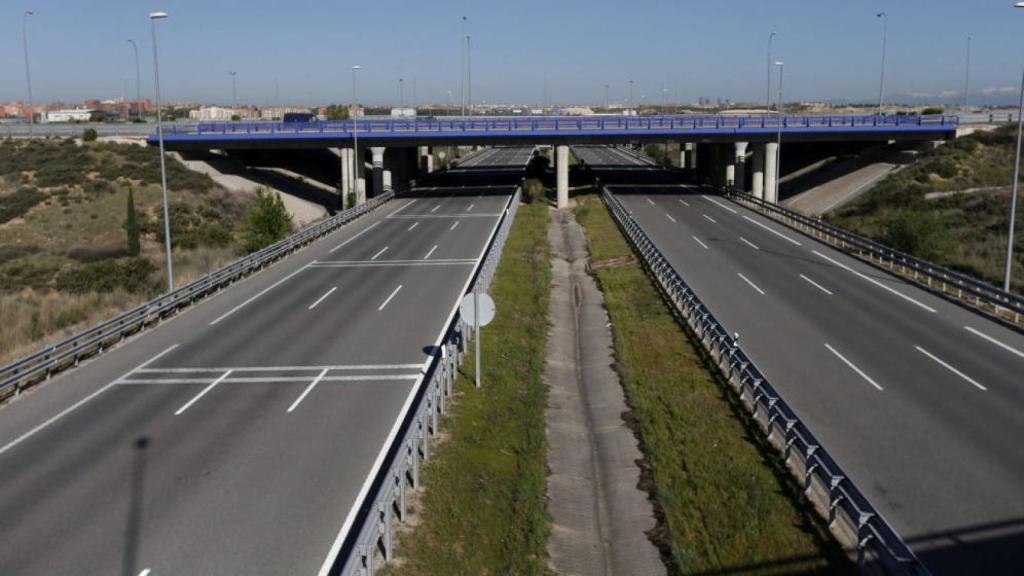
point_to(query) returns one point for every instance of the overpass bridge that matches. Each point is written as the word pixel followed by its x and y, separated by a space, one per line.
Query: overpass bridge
pixel 712 146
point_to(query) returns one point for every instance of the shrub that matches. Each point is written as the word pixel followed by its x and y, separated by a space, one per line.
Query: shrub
pixel 931 110
pixel 131 226
pixel 193 227
pixel 129 274
pixel 89 135
pixel 18 203
pixel 917 232
pixel 266 222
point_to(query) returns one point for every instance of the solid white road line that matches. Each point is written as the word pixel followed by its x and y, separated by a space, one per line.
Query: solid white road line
pixel 649 201
pixel 683 202
pixel 876 282
pixel 382 250
pixel 354 236
pixel 258 294
pixel 669 216
pixel 710 218
pixel 699 242
pixel 749 243
pixel 1006 347
pixel 307 390
pixel 454 225
pixel 202 393
pixel 268 379
pixel 853 367
pixel 414 224
pixel 721 205
pixel 431 252
pixel 435 208
pixel 274 368
pixel 779 234
pixel 950 368
pixel 816 285
pixel 321 299
pixel 80 403
pixel 389 298
pixel 752 285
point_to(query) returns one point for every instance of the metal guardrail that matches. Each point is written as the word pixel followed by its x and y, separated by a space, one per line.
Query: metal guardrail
pixel 375 536
pixel 837 498
pixel 53 358
pixel 476 125
pixel 1005 305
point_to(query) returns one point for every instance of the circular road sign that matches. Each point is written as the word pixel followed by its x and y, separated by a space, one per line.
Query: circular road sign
pixel 467 309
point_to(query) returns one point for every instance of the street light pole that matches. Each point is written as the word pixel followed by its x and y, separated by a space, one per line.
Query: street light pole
pixel 234 93
pixel 607 104
pixel 153 17
pixel 768 83
pixel 28 75
pixel 967 72
pixel 462 69
pixel 469 75
pixel 630 95
pixel 355 133
pixel 401 93
pixel 138 82
pixel 881 81
pixel 778 142
pixel 1016 181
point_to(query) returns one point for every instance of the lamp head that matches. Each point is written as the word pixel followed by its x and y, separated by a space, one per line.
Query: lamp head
pixel 158 15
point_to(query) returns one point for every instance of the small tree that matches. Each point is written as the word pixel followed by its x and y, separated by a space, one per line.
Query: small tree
pixel 266 222
pixel 89 135
pixel 131 226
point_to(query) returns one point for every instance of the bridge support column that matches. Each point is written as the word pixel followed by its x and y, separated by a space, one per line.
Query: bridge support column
pixel 562 175
pixel 691 155
pixel 378 170
pixel 728 157
pixel 757 172
pixel 771 172
pixel 386 182
pixel 426 161
pixel 740 169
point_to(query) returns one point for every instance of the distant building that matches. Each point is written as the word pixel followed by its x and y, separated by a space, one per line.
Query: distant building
pixel 279 113
pixel 403 112
pixel 77 115
pixel 219 113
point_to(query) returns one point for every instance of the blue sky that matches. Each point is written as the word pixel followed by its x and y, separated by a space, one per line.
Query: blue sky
pixel 523 50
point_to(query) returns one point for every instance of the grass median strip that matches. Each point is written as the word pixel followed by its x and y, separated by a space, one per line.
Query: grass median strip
pixel 724 501
pixel 482 509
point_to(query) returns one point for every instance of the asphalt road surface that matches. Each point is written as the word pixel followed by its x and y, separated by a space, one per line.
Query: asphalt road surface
pixel 920 400
pixel 237 437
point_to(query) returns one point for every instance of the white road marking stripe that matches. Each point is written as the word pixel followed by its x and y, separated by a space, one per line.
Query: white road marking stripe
pixel 321 299
pixel 389 298
pixel 258 294
pixel 699 242
pixel 683 202
pixel 853 367
pixel 816 285
pixel 431 252
pixel 669 216
pixel 273 368
pixel 649 201
pixel 202 393
pixel 266 379
pixel 470 208
pixel 1006 347
pixel 721 205
pixel 80 403
pixel 406 205
pixel 145 572
pixel 354 236
pixel 752 285
pixel 710 218
pixel 397 264
pixel 454 225
pixel 749 243
pixel 414 224
pixel 382 250
pixel 307 390
pixel 459 215
pixel 950 368
pixel 876 282
pixel 779 234
pixel 435 208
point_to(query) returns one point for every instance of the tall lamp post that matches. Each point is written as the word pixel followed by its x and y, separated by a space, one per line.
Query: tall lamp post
pixel 153 17
pixel 768 82
pixel 138 83
pixel 355 132
pixel 234 92
pixel 28 75
pixel 967 72
pixel 606 103
pixel 401 92
pixel 1016 180
pixel 462 68
pixel 778 142
pixel 630 103
pixel 881 80
pixel 469 75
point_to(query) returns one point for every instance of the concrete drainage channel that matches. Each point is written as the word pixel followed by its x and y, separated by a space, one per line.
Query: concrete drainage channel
pixel 599 516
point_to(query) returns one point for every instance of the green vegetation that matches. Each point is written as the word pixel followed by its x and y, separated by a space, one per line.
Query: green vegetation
pixel 482 510
pixel 952 207
pixel 337 112
pixel 724 500
pixel 131 226
pixel 19 202
pixel 266 222
pixel 89 135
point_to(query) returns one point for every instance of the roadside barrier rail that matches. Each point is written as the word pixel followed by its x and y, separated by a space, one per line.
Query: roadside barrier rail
pixel 44 363
pixel 371 540
pixel 991 299
pixel 850 515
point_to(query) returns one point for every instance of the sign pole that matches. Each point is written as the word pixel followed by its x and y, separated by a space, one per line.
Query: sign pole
pixel 476 325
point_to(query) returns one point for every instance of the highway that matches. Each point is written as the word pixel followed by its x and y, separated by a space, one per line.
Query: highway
pixel 919 399
pixel 240 436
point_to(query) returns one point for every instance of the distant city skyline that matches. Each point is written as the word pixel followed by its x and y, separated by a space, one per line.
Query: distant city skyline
pixel 526 52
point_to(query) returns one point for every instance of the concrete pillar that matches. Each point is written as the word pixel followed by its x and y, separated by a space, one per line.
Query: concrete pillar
pixel 426 160
pixel 682 156
pixel 770 172
pixel 387 181
pixel 730 172
pixel 757 172
pixel 691 155
pixel 378 170
pixel 346 176
pixel 740 171
pixel 562 175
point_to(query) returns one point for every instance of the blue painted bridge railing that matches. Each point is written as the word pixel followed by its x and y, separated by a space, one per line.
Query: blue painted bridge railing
pixel 569 125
